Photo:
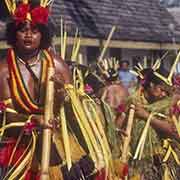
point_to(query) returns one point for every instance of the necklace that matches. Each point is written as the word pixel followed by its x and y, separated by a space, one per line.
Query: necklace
pixel 29 64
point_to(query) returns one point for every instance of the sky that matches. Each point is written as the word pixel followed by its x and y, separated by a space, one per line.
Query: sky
pixel 170 3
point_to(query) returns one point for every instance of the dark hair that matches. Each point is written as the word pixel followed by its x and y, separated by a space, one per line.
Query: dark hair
pixel 94 81
pixel 124 61
pixel 12 28
pixel 150 77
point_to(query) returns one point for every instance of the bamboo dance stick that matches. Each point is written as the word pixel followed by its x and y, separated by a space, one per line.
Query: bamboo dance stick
pixel 107 43
pixel 48 115
pixel 127 138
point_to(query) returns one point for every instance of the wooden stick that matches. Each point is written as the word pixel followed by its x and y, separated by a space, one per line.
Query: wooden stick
pixel 48 115
pixel 128 132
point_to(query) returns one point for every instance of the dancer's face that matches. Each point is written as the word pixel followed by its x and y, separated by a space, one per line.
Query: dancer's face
pixel 28 38
pixel 157 92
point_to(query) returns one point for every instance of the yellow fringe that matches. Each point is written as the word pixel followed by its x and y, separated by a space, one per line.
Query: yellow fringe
pixel 65 136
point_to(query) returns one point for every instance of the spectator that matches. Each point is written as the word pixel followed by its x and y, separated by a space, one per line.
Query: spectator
pixel 125 76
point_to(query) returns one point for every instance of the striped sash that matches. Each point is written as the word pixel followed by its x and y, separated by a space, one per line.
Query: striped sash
pixel 22 100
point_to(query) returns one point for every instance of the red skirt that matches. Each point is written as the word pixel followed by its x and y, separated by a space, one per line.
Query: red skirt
pixel 6 150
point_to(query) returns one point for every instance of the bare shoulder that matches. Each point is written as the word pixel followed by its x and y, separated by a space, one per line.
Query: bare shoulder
pixel 117 85
pixel 59 63
pixel 62 69
pixel 3 69
pixel 117 88
pixel 122 87
pixel 4 75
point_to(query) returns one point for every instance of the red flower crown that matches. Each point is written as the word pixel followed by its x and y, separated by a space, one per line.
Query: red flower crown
pixel 38 15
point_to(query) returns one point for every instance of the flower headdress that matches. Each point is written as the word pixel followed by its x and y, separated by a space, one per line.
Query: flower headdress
pixel 168 80
pixel 23 12
pixel 109 67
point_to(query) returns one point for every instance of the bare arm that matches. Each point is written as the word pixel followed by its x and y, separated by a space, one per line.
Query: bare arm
pixel 62 71
pixel 162 127
pixel 4 87
pixel 165 127
pixel 62 76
